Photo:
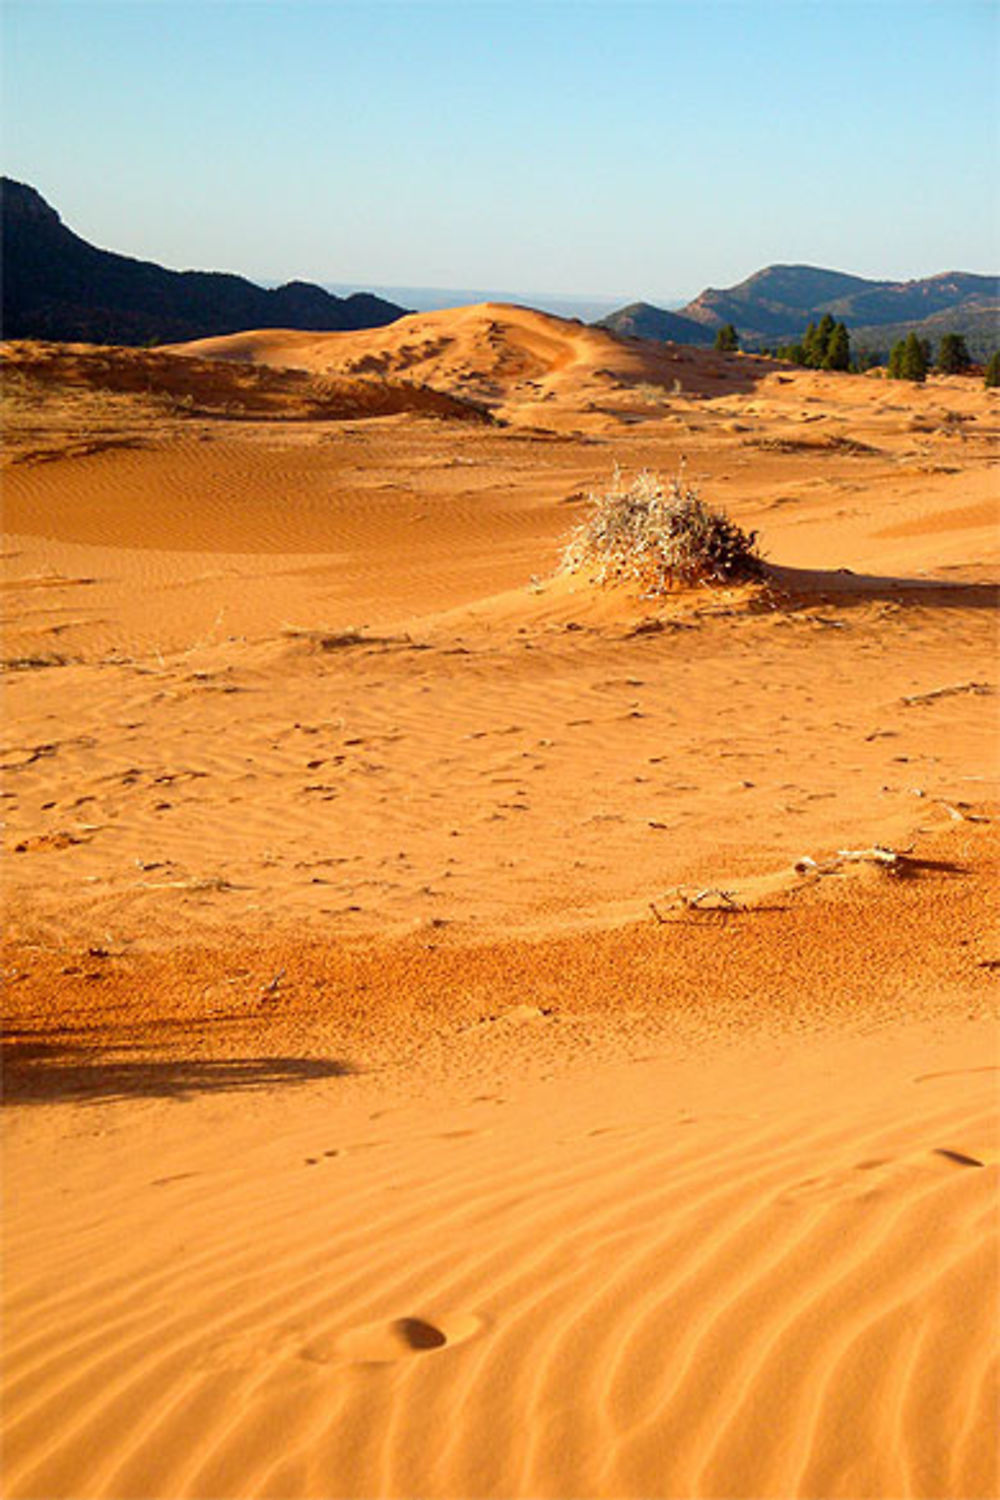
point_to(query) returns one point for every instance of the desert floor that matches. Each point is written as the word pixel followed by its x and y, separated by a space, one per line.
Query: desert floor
pixel 471 1032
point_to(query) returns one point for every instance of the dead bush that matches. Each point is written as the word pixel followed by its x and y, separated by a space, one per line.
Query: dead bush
pixel 660 533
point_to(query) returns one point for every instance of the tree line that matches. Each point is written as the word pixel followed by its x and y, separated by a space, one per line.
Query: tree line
pixel 826 345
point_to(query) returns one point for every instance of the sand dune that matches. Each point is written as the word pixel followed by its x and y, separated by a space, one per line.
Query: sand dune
pixel 663 1278
pixel 511 358
pixel 73 399
pixel 470 1033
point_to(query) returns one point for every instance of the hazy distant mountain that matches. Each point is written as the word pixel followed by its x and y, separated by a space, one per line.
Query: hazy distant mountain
pixel 57 286
pixel 641 320
pixel 777 303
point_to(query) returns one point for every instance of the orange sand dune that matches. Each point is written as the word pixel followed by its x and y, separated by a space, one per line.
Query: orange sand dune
pixel 511 358
pixel 130 397
pixel 532 367
pixel 470 1033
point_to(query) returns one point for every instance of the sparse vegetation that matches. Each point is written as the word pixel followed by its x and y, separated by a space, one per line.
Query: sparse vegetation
pixel 825 345
pixel 953 356
pixel 660 533
pixel 910 359
pixel 727 340
pixel 838 349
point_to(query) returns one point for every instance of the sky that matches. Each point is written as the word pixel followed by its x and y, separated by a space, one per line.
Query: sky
pixel 598 147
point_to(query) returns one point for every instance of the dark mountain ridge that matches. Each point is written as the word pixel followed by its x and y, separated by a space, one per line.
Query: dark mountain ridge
pixel 778 302
pixel 641 320
pixel 775 305
pixel 57 286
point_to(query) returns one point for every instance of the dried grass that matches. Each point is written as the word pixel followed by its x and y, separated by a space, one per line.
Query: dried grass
pixel 659 534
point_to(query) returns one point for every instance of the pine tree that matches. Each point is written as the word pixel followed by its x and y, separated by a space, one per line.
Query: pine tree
pixel 991 377
pixel 838 349
pixel 896 360
pixel 727 340
pixel 824 333
pixel 915 359
pixel 953 355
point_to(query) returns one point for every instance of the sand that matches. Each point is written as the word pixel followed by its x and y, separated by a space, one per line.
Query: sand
pixel 470 1033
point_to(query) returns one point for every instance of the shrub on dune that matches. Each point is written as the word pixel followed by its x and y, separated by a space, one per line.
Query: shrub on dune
pixel 659 534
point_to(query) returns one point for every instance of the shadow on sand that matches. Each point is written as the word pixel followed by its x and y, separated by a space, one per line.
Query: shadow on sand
pixel 52 1068
pixel 846 589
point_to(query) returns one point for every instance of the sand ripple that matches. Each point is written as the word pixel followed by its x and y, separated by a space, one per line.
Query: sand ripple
pixel 652 1281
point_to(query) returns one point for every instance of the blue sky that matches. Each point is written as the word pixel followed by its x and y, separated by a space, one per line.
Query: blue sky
pixel 633 149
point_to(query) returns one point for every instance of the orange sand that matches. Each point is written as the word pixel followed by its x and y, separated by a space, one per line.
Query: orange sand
pixel 461 1041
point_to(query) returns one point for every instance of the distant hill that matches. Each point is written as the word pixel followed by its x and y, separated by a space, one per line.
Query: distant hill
pixel 776 304
pixel 779 301
pixel 57 286
pixel 978 320
pixel 641 320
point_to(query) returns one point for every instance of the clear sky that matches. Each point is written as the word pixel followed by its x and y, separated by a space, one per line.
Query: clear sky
pixel 645 150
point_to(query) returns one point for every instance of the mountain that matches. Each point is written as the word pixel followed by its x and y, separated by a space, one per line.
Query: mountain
pixel 776 304
pixel 57 286
pixel 779 301
pixel 641 320
pixel 976 319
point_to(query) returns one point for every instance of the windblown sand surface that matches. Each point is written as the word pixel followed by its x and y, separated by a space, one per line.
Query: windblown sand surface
pixel 471 1033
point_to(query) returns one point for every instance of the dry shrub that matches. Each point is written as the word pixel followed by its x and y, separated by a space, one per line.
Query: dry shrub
pixel 659 534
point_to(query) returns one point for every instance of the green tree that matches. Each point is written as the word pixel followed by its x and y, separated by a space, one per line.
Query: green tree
pixel 838 349
pixel 991 377
pixel 824 333
pixel 727 340
pixel 816 341
pixel 953 355
pixel 896 360
pixel 915 359
pixel 795 353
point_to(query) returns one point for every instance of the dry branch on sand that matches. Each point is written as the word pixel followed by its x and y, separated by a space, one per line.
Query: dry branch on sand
pixel 660 533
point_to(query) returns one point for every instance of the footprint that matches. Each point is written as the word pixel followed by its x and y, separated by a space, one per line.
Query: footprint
pixel 397 1339
pixel 867 1178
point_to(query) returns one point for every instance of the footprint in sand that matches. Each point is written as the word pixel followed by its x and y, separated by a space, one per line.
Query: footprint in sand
pixel 312 1161
pixel 867 1178
pixel 398 1339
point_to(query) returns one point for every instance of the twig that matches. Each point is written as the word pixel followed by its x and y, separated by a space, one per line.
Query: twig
pixel 979 689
